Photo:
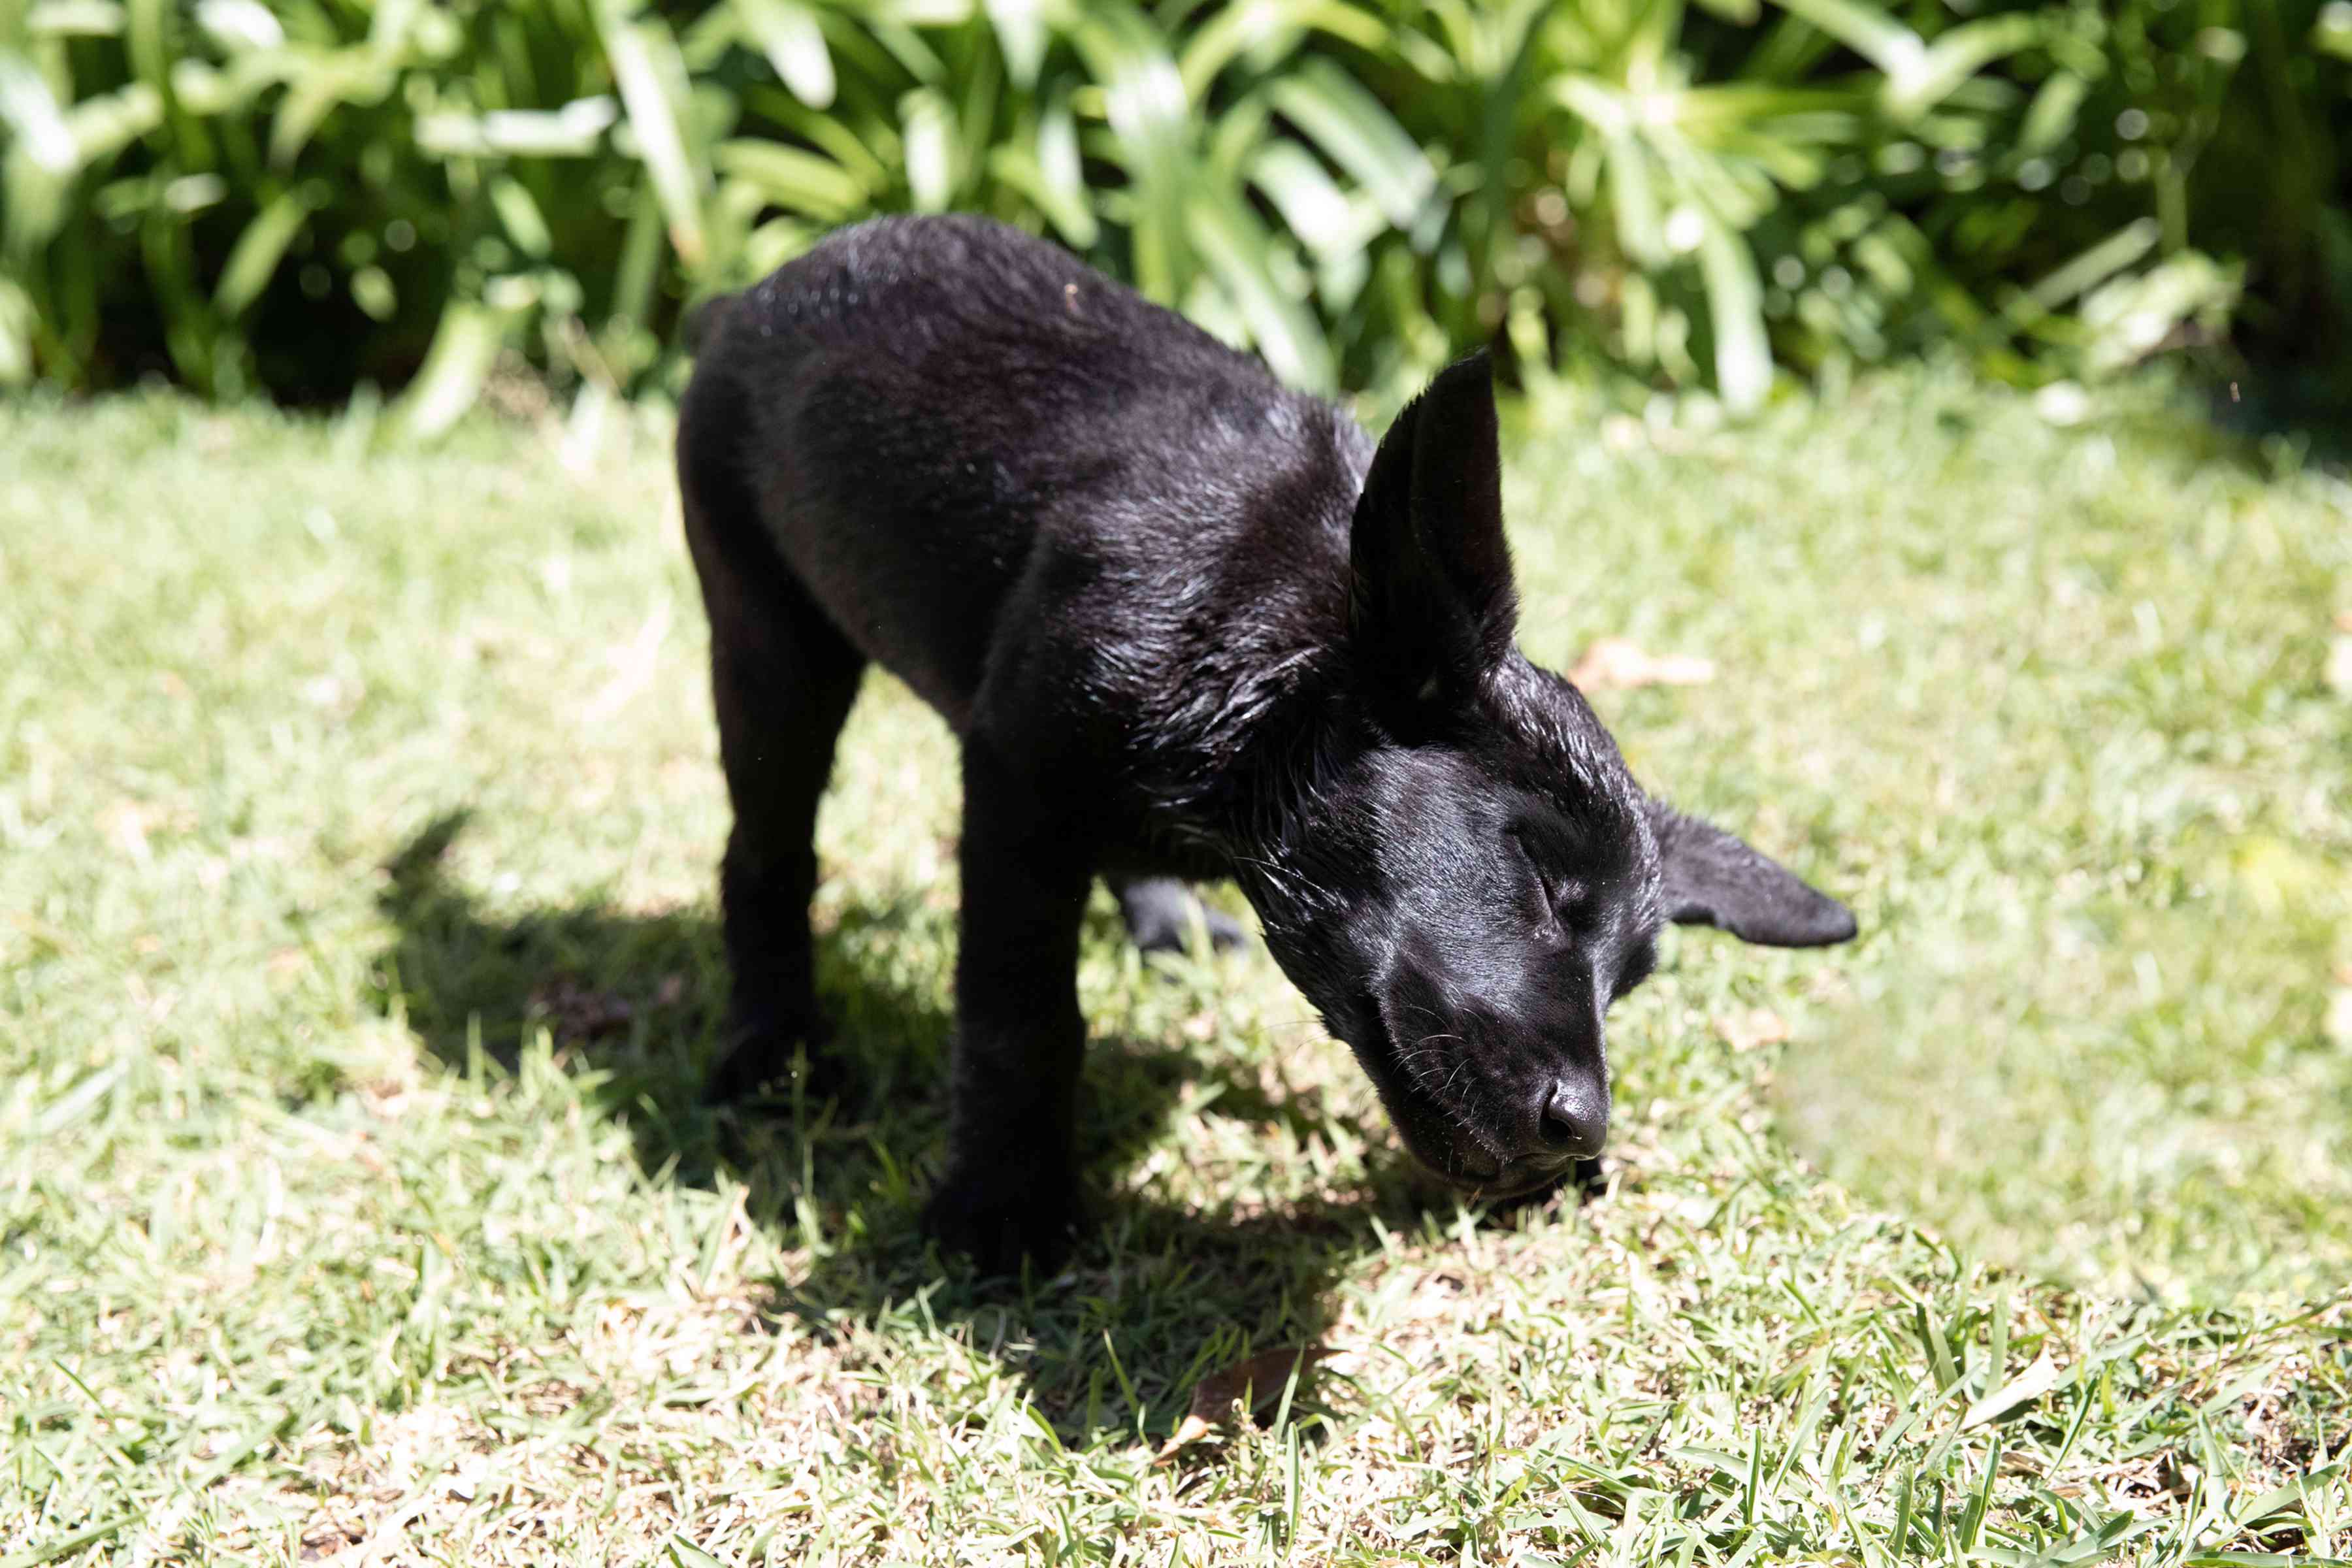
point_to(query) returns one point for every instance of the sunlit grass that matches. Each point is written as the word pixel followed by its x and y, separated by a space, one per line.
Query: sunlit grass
pixel 2056 703
pixel 357 822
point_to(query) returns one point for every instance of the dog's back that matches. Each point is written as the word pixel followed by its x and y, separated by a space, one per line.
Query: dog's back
pixel 947 428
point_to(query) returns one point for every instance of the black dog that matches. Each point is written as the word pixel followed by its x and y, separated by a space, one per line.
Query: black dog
pixel 1189 624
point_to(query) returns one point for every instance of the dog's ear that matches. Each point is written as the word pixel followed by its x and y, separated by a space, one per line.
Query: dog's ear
pixel 1431 603
pixel 1714 880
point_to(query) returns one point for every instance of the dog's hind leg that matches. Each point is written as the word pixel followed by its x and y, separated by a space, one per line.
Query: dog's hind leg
pixel 783 680
pixel 1159 913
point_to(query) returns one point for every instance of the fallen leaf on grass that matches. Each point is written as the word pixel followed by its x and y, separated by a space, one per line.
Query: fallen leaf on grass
pixel 1615 662
pixel 1756 1026
pixel 1260 1380
pixel 2030 1384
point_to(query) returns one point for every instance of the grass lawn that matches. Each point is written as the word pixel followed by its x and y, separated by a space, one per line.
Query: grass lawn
pixel 358 823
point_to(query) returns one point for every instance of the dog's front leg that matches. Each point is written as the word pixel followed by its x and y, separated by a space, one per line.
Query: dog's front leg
pixel 1010 1187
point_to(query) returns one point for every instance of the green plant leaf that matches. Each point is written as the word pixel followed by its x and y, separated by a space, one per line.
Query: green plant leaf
pixel 520 218
pixel 15 335
pixel 1953 58
pixel 651 78
pixel 2087 271
pixel 1868 31
pixel 791 177
pixel 1312 205
pixel 1411 165
pixel 1021 38
pixel 1049 174
pixel 1150 118
pixel 634 278
pixel 236 25
pixel 258 252
pixel 1734 303
pixel 75 19
pixel 1235 246
pixel 147 43
pixel 374 292
pixel 465 345
pixel 788 34
pixel 2332 33
pixel 574 131
pixel 1623 158
pixel 31 113
pixel 2052 116
pixel 927 131
pixel 1357 134
pixel 325 83
pixel 1233 30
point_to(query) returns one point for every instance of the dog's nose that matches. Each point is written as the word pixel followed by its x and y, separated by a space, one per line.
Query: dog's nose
pixel 1574 1117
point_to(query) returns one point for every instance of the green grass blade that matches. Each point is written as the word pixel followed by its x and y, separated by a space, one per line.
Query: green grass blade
pixel 424 1146
pixel 68 1544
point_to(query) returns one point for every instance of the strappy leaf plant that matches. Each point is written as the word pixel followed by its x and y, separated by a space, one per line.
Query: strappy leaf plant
pixel 301 196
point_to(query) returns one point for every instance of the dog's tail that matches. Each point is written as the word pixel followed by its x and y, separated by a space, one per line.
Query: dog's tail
pixel 701 319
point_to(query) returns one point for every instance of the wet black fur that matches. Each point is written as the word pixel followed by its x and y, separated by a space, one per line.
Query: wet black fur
pixel 1188 625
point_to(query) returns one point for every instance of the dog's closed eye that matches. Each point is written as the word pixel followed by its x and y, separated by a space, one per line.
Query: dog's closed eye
pixel 1564 896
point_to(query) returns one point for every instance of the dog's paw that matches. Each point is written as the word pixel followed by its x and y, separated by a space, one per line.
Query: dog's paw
pixel 1225 933
pixel 774 1062
pixel 997 1223
pixel 1159 913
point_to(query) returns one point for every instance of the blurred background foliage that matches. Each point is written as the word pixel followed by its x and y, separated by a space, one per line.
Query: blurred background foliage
pixel 307 198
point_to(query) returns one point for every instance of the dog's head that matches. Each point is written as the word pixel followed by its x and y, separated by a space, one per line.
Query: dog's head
pixel 1463 875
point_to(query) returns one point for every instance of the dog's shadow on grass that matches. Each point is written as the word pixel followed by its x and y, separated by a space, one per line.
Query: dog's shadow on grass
pixel 1157 1296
